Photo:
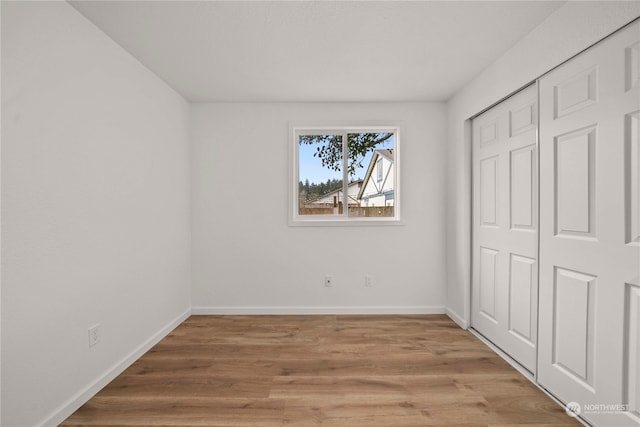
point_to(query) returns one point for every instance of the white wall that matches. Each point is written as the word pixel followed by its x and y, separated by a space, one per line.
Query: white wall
pixel 247 259
pixel 95 209
pixel 569 30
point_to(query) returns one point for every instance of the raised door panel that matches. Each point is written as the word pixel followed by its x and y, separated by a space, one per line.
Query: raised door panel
pixel 576 93
pixel 632 66
pixel 522 281
pixel 573 320
pixel 488 191
pixel 575 183
pixel 522 201
pixel 488 133
pixel 522 119
pixel 488 260
pixel 632 177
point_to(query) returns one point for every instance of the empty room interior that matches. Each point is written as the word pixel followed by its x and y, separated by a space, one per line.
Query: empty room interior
pixel 320 213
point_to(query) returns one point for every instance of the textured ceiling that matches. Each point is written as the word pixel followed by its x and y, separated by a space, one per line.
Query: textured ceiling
pixel 315 51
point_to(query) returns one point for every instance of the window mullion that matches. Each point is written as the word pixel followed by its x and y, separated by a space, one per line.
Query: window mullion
pixel 345 174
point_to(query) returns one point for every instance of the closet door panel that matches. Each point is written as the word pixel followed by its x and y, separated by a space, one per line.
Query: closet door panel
pixel 505 222
pixel 589 252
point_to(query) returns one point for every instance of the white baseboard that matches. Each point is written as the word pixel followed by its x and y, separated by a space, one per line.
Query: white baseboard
pixel 302 310
pixel 457 318
pixel 83 396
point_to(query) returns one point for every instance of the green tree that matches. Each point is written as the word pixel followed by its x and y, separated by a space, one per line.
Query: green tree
pixel 329 148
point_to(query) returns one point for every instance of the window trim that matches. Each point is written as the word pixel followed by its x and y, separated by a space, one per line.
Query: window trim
pixel 295 219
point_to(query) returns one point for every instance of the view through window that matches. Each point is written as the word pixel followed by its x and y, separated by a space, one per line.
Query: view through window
pixel 348 169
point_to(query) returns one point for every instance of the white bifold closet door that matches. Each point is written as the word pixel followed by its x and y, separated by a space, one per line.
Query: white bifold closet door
pixel 505 223
pixel 589 329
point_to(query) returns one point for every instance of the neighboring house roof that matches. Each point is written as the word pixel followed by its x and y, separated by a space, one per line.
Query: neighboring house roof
pixel 384 153
pixel 388 153
pixel 351 184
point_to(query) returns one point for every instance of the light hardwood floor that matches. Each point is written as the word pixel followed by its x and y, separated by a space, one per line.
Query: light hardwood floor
pixel 306 371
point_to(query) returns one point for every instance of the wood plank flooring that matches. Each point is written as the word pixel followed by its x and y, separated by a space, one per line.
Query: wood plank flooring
pixel 365 371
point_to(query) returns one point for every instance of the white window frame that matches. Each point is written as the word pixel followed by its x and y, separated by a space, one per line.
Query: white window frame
pixel 295 219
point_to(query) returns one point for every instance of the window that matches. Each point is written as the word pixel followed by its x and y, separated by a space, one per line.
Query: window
pixel 345 175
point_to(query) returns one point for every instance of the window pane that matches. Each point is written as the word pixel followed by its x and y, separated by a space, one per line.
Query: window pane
pixel 320 175
pixel 371 174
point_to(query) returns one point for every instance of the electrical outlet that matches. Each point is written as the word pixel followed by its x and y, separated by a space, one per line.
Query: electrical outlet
pixel 368 281
pixel 328 281
pixel 94 335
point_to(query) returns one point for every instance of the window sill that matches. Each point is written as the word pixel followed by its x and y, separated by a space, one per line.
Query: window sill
pixel 323 222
